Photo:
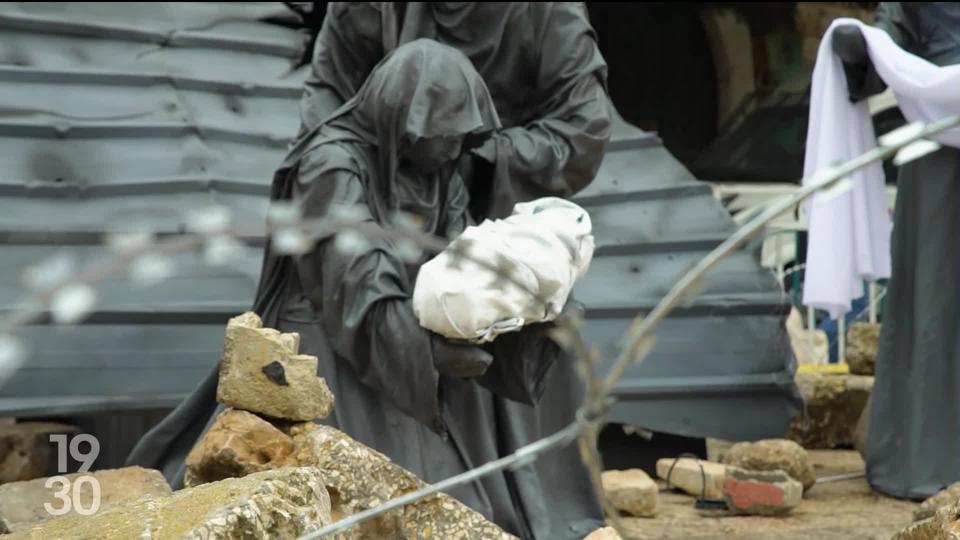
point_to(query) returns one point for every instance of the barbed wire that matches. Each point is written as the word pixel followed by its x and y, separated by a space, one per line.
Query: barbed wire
pixel 291 235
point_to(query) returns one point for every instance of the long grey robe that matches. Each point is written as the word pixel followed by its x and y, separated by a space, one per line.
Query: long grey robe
pixel 913 446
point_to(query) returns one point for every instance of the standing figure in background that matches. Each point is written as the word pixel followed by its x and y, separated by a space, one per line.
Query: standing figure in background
pixel 540 60
pixel 913 442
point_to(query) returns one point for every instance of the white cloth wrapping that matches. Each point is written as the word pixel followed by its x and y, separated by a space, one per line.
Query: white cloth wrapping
pixel 849 233
pixel 546 244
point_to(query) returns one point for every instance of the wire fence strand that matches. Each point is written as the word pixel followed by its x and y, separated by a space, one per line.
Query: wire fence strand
pixel 638 340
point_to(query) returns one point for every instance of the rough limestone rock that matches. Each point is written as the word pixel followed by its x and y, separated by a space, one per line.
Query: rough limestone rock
pixel 862 431
pixel 862 343
pixel 631 491
pixel 606 533
pixel 929 507
pixel 943 525
pixel 772 455
pixel 766 493
pixel 26 451
pixel 237 444
pixel 687 476
pixel 283 503
pixel 22 503
pixel 359 478
pixel 261 372
pixel 833 407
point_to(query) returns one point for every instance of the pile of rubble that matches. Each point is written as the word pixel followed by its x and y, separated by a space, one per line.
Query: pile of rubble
pixel 761 478
pixel 771 477
pixel 264 469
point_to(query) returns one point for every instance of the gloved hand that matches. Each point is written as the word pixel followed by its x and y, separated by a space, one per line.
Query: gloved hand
pixel 459 359
pixel 862 79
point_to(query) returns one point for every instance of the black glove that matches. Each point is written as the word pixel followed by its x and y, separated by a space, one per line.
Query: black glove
pixel 862 79
pixel 459 359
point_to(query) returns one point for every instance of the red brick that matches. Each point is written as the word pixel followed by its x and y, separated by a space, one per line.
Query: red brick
pixel 760 492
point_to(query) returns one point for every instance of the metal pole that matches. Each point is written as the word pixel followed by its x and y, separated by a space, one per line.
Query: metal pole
pixel 872 288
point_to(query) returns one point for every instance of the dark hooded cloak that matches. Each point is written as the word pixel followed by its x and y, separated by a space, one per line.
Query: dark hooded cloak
pixel 353 309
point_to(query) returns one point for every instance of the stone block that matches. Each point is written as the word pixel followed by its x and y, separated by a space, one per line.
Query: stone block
pixel 282 503
pixel 631 491
pixel 22 503
pixel 767 493
pixel 237 444
pixel 262 373
pixel 688 474
pixel 834 404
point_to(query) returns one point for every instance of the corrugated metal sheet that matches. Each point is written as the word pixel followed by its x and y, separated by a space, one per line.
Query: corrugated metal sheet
pixel 137 113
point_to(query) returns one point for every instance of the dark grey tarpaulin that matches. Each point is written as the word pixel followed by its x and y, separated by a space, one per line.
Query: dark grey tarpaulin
pixel 914 439
pixel 106 115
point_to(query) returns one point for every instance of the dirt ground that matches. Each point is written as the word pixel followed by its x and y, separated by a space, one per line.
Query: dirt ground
pixel 845 509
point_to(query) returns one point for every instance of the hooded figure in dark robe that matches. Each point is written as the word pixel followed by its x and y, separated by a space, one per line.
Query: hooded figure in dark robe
pixel 913 441
pixel 434 406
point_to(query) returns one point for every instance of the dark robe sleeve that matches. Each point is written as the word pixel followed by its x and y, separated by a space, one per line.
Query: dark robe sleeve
pixel 559 151
pixel 348 46
pixel 890 18
pixel 365 302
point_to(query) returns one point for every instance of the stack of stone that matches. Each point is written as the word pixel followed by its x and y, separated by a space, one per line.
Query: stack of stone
pixel 836 404
pixel 767 477
pixel 265 470
pixel 273 395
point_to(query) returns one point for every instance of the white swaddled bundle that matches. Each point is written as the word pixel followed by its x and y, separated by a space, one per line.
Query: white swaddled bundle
pixel 547 246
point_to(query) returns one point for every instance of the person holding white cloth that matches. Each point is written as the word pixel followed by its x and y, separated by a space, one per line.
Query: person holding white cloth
pixel 913 443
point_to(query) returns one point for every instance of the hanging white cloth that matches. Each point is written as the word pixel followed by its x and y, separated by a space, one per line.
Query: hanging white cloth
pixel 849 232
pixel 546 245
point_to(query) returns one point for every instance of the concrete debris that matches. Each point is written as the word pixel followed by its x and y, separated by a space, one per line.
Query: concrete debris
pixel 283 503
pixel 22 503
pixel 631 491
pixel 359 478
pixel 768 493
pixel 237 444
pixel 834 404
pixel 688 474
pixel 261 372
